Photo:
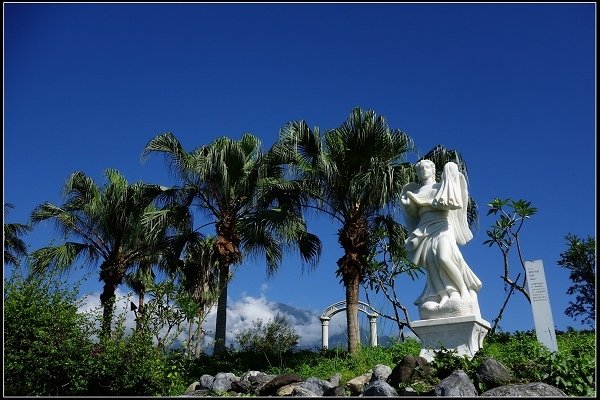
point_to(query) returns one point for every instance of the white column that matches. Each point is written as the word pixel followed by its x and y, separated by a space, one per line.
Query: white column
pixel 325 332
pixel 373 322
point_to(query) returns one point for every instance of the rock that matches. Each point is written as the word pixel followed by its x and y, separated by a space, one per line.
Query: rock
pixel 335 379
pixel 458 384
pixel 317 386
pixel 300 391
pixel 492 373
pixel 222 382
pixel 534 389
pixel 287 389
pixel 380 373
pixel 337 391
pixel 357 384
pixel 198 393
pixel 248 376
pixel 379 388
pixel 408 369
pixel 194 386
pixel 270 388
pixel 206 381
pixel 241 386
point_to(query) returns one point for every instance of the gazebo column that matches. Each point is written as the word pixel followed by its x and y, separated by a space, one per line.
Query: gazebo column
pixel 325 332
pixel 373 323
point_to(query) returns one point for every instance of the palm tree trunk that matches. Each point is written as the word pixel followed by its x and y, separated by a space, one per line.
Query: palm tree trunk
pixel 107 300
pixel 352 290
pixel 221 324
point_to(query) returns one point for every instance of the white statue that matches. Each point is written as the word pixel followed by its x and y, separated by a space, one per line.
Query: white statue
pixel 436 218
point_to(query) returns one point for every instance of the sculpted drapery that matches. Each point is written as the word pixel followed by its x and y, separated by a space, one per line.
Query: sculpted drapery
pixel 436 218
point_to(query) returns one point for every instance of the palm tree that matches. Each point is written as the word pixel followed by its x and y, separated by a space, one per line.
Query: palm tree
pixel 351 173
pixel 14 246
pixel 244 194
pixel 113 225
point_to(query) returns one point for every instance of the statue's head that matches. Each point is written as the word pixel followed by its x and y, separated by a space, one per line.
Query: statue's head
pixel 425 168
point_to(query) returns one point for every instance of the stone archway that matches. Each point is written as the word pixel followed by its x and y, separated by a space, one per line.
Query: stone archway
pixel 341 306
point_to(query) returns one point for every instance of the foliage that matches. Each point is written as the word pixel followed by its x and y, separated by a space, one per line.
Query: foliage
pixel 350 173
pixel 243 192
pixel 447 361
pixel 505 235
pixel 273 339
pixel 387 261
pixel 571 369
pixel 580 259
pixel 14 246
pixel 163 317
pixel 133 366
pixel 115 225
pixel 45 340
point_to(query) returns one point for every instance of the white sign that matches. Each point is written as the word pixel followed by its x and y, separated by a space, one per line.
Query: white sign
pixel 540 304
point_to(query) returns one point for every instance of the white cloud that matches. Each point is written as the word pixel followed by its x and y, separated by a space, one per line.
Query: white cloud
pixel 241 314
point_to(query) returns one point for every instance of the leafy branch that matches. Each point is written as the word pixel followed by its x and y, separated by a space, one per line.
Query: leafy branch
pixel 505 235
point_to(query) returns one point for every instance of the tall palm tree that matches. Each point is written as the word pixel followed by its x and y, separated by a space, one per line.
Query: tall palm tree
pixel 244 194
pixel 351 173
pixel 14 246
pixel 113 226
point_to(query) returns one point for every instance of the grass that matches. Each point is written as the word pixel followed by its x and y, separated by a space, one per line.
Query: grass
pixel 572 369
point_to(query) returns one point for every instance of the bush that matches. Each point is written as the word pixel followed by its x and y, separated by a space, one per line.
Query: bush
pixel 272 339
pixel 49 349
pixel 134 366
pixel 46 342
pixel 572 369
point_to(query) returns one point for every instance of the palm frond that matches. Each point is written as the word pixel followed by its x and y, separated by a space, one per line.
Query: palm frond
pixel 60 258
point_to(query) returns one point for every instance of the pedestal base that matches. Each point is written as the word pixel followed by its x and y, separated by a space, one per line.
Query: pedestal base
pixel 463 334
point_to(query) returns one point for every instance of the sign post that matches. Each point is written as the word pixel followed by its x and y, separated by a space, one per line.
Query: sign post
pixel 540 304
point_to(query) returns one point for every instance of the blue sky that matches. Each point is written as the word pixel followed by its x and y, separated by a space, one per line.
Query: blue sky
pixel 510 86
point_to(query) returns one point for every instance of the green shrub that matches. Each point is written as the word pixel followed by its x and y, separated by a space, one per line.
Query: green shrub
pixel 271 340
pixel 46 342
pixel 572 369
pixel 133 366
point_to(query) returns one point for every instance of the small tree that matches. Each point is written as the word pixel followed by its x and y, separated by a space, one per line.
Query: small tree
pixel 388 260
pixel 505 234
pixel 580 259
pixel 272 339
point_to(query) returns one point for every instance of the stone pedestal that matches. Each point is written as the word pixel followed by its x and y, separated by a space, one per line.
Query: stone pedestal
pixel 463 334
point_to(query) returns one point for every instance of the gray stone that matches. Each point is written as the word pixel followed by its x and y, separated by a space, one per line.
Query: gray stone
pixel 380 389
pixel 206 381
pixel 492 373
pixel 241 386
pixel 381 373
pixel 251 374
pixel 300 391
pixel 318 386
pixel 535 389
pixel 457 384
pixel 222 382
pixel 337 391
pixel 335 379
